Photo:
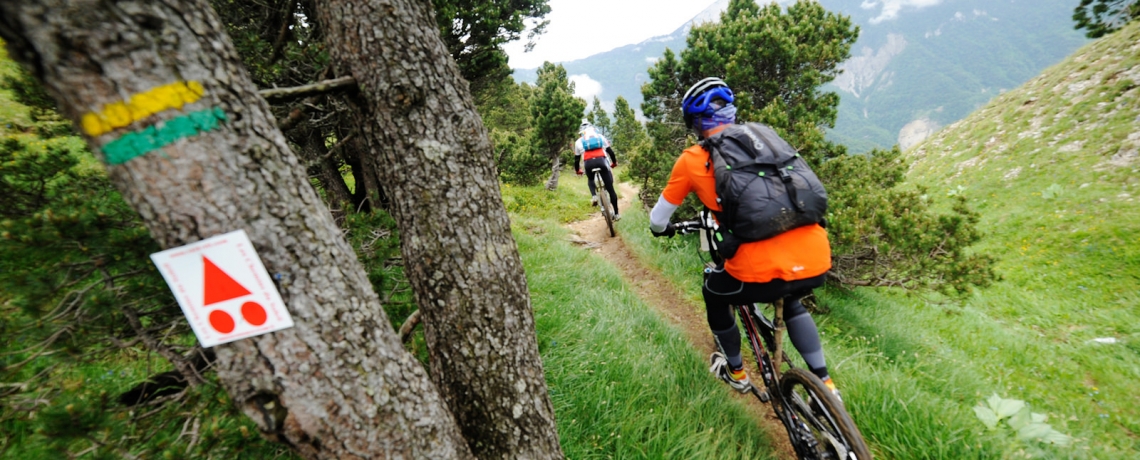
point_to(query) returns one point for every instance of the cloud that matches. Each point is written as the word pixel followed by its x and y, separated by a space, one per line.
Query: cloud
pixel 585 87
pixel 890 8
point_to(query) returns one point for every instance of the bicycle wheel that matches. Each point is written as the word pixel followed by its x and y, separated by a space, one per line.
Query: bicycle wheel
pixel 825 429
pixel 607 207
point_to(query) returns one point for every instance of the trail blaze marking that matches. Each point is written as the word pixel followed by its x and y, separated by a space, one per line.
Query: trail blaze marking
pixel 254 313
pixel 222 321
pixel 121 114
pixel 223 289
pixel 219 287
pixel 136 144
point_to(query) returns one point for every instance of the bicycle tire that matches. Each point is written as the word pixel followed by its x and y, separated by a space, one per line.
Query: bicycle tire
pixel 823 417
pixel 607 208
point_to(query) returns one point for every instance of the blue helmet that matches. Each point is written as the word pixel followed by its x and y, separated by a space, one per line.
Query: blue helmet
pixel 696 102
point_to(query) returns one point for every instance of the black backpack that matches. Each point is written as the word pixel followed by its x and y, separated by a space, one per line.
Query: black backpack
pixel 763 186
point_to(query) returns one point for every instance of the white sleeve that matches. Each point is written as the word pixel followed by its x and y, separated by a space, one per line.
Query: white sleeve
pixel 578 150
pixel 660 214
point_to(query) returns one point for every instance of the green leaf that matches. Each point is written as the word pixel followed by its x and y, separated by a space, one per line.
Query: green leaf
pixel 994 401
pixel 1052 192
pixel 1005 407
pixel 987 416
pixel 1039 418
pixel 1021 419
pixel 1034 431
pixel 1057 438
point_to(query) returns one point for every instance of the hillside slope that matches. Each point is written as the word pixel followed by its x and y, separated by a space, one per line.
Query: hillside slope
pixel 1052 166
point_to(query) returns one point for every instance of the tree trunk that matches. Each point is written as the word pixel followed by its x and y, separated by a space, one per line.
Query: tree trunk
pixel 317 155
pixel 370 177
pixel 552 184
pixel 338 384
pixel 459 254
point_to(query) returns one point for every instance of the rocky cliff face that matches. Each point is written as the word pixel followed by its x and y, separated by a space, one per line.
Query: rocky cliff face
pixel 915 132
pixel 862 71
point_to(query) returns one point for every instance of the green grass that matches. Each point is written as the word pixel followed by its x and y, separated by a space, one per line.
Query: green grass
pixel 624 383
pixel 913 367
pixel 84 395
pixel 1065 224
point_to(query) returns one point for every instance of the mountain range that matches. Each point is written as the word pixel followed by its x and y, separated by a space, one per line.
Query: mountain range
pixel 918 65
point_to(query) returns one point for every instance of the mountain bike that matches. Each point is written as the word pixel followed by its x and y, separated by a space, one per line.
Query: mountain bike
pixel 604 200
pixel 818 425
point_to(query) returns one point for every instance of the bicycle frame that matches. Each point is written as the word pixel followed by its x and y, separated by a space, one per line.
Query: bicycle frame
pixel 604 199
pixel 808 429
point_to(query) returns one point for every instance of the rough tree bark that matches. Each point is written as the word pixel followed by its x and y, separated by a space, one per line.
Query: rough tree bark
pixel 337 385
pixel 420 120
pixel 555 169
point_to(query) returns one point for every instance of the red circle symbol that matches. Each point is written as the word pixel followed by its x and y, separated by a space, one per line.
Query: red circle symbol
pixel 222 321
pixel 253 313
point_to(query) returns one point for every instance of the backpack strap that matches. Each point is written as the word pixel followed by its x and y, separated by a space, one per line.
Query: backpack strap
pixel 726 218
pixel 786 178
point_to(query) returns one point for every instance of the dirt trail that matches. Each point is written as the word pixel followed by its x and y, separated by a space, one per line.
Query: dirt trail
pixel 659 293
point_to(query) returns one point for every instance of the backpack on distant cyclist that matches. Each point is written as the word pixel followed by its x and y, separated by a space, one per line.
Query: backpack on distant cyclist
pixel 763 186
pixel 592 143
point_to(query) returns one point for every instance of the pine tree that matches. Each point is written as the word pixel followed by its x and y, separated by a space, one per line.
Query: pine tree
pixel 628 136
pixel 555 115
pixel 662 106
pixel 1101 17
pixel 598 117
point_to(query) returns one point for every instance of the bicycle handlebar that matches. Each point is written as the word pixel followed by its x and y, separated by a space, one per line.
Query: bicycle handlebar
pixel 688 226
pixel 704 221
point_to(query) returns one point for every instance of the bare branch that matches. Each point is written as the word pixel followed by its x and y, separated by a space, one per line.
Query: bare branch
pixel 408 326
pixel 281 95
pixel 180 363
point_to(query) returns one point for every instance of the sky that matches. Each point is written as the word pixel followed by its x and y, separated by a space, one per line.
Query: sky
pixel 582 28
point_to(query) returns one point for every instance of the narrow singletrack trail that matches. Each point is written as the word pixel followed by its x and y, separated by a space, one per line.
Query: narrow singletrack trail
pixel 659 293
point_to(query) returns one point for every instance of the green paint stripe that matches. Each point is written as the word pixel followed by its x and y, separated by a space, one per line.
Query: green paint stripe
pixel 136 144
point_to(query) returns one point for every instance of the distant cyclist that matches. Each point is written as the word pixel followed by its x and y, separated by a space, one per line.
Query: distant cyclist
pixel 592 147
pixel 788 265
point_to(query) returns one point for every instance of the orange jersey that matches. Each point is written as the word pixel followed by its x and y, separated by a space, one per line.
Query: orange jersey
pixel 796 254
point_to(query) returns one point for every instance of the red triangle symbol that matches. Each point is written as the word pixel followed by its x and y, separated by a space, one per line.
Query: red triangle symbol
pixel 219 286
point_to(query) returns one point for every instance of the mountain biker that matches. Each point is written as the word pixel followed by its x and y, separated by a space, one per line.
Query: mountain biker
pixel 595 158
pixel 787 266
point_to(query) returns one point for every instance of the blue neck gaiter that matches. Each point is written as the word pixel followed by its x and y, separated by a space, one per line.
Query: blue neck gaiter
pixel 723 116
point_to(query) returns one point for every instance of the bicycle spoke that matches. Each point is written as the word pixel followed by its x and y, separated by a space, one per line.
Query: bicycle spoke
pixel 821 418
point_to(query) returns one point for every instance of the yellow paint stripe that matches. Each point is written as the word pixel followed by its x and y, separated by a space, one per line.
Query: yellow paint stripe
pixel 120 114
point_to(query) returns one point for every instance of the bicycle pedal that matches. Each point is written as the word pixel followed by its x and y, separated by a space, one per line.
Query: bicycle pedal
pixel 762 394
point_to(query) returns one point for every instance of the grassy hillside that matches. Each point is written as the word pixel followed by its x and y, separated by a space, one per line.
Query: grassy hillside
pixel 1052 166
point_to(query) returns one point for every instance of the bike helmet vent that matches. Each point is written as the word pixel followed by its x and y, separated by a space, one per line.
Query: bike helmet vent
pixel 697 100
